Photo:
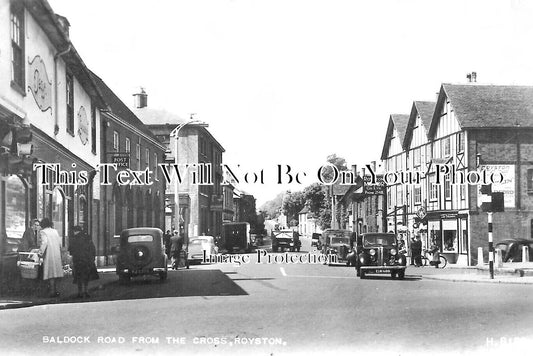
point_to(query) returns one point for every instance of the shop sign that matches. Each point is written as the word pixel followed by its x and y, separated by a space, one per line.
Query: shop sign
pixel 83 126
pixel 421 213
pixel 448 216
pixel 121 159
pixel 507 186
pixel 39 84
pixel 374 189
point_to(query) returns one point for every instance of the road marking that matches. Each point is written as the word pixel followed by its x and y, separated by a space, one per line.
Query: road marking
pixel 283 271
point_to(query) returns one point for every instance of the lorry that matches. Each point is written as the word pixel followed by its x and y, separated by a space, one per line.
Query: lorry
pixel 236 237
pixel 285 239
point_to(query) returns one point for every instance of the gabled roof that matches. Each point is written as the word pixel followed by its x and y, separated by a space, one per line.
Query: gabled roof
pixel 487 106
pixel 423 108
pixel 304 210
pixel 119 109
pixel 398 121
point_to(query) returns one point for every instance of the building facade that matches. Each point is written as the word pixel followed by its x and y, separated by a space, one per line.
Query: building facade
pixel 49 114
pixel 473 129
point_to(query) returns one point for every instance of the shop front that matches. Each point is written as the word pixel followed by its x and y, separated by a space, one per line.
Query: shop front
pixel 449 230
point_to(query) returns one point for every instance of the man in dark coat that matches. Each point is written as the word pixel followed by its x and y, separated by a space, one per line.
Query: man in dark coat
pixel 84 269
pixel 416 252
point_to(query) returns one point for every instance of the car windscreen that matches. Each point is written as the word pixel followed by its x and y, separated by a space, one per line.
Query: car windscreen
pixel 140 238
pixel 198 241
pixel 339 240
pixel 284 235
pixel 385 240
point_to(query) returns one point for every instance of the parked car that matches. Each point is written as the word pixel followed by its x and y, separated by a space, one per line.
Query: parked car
pixel 285 239
pixel 337 243
pixel 200 246
pixel 512 249
pixel 141 252
pixel 379 253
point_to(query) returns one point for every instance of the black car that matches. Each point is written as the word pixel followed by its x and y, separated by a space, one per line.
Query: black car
pixel 378 253
pixel 512 249
pixel 141 252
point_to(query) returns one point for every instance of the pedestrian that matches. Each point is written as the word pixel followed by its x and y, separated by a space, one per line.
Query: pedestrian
pixel 434 249
pixel 83 252
pixel 166 241
pixel 30 239
pixel 50 250
pixel 416 251
pixel 175 249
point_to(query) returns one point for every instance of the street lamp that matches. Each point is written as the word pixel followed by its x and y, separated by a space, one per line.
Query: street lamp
pixel 175 133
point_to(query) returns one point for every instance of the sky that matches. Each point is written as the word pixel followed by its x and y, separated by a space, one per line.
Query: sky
pixel 289 82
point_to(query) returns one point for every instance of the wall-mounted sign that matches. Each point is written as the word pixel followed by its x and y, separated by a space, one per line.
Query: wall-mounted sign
pixel 121 159
pixel 507 186
pixel 39 84
pixel 374 189
pixel 421 213
pixel 83 126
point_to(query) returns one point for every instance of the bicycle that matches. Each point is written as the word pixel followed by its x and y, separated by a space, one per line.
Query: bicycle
pixel 425 260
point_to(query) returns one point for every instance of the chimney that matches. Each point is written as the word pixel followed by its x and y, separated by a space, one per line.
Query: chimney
pixel 140 100
pixel 471 77
pixel 63 22
pixel 474 77
pixel 354 170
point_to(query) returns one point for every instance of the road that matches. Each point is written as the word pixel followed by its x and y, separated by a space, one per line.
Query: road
pixel 276 309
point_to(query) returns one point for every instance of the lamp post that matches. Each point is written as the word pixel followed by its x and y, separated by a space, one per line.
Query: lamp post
pixel 175 133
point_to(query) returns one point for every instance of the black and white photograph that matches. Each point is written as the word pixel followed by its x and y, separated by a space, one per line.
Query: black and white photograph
pixel 266 177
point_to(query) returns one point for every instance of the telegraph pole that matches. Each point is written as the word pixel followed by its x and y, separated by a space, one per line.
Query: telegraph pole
pixel 491 246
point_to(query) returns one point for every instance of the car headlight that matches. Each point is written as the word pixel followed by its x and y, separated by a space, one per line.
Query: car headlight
pixel 393 252
pixel 372 252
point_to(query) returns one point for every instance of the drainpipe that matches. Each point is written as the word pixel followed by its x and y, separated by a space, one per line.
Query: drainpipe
pixel 56 87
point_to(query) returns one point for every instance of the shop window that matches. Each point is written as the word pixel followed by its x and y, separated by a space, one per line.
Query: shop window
pixel 70 103
pixel 82 211
pixel 449 235
pixel 463 230
pixel 58 212
pixel 15 214
pixel 434 234
pixel 17 46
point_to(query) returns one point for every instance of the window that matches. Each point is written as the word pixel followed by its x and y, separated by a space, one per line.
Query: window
pixel 447 189
pixel 530 181
pixel 416 157
pixel 147 157
pixel 116 139
pixel 433 189
pixel 461 142
pixel 70 103
pixel 446 147
pixel 389 197
pixel 93 128
pixel 399 196
pixel 418 194
pixel 17 46
pixel 15 210
pixel 138 156
pixel 155 165
pixel 128 145
pixel 462 191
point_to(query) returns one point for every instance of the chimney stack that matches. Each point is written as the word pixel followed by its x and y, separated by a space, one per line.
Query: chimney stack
pixel 140 100
pixel 63 22
pixel 472 77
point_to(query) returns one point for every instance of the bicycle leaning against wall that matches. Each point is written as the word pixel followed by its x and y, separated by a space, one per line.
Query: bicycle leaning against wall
pixel 426 259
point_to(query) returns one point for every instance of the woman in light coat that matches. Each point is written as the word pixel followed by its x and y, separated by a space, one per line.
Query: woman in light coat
pixel 51 251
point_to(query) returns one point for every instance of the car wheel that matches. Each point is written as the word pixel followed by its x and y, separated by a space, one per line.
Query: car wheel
pixel 393 274
pixel 401 274
pixel 124 278
pixel 348 263
pixel 162 276
pixel 362 274
pixel 357 272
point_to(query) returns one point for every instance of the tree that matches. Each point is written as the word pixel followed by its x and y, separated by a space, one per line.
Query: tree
pixel 293 204
pixel 338 162
pixel 272 207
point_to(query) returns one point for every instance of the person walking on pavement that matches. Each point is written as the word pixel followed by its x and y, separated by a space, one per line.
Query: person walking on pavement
pixel 83 252
pixel 50 250
pixel 416 251
pixel 175 249
pixel 31 239
pixel 166 241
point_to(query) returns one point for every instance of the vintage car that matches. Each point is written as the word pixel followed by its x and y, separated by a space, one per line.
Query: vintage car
pixel 200 247
pixel 378 253
pixel 285 239
pixel 512 249
pixel 337 244
pixel 141 252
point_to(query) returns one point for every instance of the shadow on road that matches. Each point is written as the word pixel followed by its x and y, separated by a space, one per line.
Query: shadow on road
pixel 181 283
pixel 406 279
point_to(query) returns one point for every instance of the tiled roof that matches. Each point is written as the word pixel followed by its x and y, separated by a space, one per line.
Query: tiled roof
pixel 304 210
pixel 488 106
pixel 118 108
pixel 398 122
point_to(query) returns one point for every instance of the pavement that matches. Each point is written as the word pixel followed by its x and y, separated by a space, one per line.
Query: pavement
pixel 35 292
